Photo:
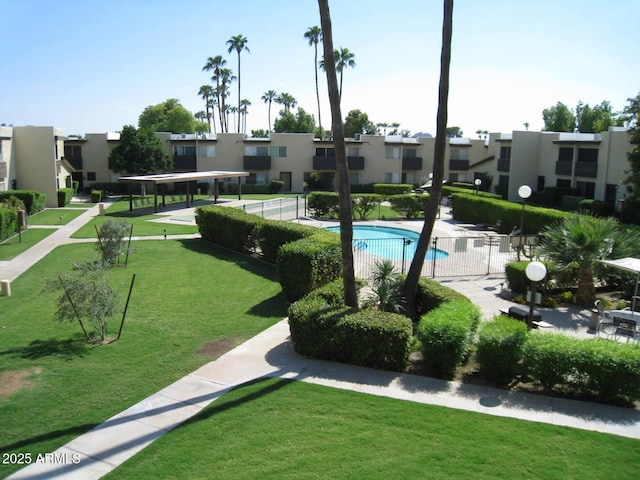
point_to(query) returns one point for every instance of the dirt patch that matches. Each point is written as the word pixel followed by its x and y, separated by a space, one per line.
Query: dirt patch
pixel 219 347
pixel 11 382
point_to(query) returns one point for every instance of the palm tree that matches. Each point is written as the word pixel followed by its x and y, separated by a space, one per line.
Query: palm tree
pixel 215 64
pixel 580 241
pixel 383 125
pixel 413 276
pixel 314 35
pixel 226 77
pixel 238 43
pixel 244 110
pixel 268 97
pixel 286 100
pixel 343 58
pixel 206 91
pixel 342 170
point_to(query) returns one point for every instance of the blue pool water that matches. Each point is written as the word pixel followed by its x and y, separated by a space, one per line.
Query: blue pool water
pixel 389 242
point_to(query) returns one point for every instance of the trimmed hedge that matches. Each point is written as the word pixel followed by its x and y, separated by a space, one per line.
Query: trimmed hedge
pixel 8 223
pixel 97 196
pixel 431 294
pixel 499 348
pixel 466 188
pixel 232 188
pixel 309 263
pixel 388 189
pixel 409 205
pixel 323 204
pixel 64 196
pixel 272 234
pixel 608 369
pixel 479 209
pixel 322 327
pixel 446 334
pixel 231 228
pixel 33 201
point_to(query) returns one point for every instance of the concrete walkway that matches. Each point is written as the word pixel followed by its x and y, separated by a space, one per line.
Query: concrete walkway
pixel 100 450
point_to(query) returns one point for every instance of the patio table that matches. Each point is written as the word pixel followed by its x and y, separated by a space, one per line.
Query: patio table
pixel 626 322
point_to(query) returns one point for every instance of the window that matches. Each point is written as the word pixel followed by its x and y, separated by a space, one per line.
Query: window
pixel 565 154
pixel 72 151
pixel 325 152
pixel 589 155
pixel 459 154
pixel 392 152
pixel 505 153
pixel 391 177
pixel 183 150
pixel 207 151
pixel 353 178
pixel 259 178
pixel 256 151
pixel 91 176
pixel 353 151
pixel 410 153
pixel 586 189
pixel 278 152
pixel 563 183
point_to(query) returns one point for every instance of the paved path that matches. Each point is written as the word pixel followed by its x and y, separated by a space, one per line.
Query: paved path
pixel 103 448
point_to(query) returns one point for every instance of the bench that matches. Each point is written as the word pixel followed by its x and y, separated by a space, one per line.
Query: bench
pixel 521 312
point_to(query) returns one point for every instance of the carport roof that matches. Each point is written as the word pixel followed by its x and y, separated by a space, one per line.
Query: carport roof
pixel 182 177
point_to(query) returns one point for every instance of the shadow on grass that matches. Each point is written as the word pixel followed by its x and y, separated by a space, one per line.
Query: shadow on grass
pixel 25 443
pixel 68 349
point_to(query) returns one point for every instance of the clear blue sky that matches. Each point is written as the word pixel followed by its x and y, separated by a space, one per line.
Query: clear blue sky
pixel 92 66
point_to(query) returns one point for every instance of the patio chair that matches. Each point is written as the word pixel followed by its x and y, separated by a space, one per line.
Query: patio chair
pixel 605 325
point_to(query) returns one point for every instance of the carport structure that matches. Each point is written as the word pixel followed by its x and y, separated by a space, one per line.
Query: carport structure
pixel 185 177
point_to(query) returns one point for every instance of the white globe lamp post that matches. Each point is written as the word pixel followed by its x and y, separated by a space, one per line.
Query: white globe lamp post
pixel 535 272
pixel 524 192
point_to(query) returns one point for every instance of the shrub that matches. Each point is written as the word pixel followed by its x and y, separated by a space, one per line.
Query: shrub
pixel 97 196
pixel 275 186
pixel 273 234
pixel 411 206
pixel 362 188
pixel 446 334
pixel 515 273
pixel 431 294
pixel 323 204
pixel 232 188
pixel 499 348
pixel 111 239
pixel 309 263
pixel 33 201
pixel 388 189
pixel 8 222
pixel 76 185
pixel 364 204
pixel 231 228
pixel 64 196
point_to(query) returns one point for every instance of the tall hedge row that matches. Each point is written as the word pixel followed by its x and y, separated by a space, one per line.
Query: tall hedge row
pixel 64 196
pixel 275 233
pixel 499 348
pixel 481 209
pixel 231 228
pixel 8 223
pixel 33 201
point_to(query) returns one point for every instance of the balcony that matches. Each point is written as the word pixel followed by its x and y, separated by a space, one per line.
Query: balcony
pixel 504 164
pixel 185 163
pixel 586 169
pixel 455 164
pixel 75 162
pixel 412 163
pixel 257 162
pixel 329 163
pixel 563 167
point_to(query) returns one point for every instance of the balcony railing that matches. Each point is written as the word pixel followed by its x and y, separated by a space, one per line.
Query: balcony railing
pixel 257 162
pixel 185 163
pixel 563 167
pixel 75 162
pixel 329 163
pixel 504 164
pixel 412 163
pixel 458 164
pixel 587 169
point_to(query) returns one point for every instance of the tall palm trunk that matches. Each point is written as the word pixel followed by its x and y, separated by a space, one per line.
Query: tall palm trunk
pixel 238 91
pixel 413 276
pixel 342 170
pixel 586 292
pixel 318 89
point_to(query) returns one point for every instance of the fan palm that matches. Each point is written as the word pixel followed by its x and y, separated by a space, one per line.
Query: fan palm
pixel 206 91
pixel 580 241
pixel 215 64
pixel 314 35
pixel 238 43
pixel 343 58
pixel 268 97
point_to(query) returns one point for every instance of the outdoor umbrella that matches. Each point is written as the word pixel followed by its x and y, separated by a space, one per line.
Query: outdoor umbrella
pixel 629 264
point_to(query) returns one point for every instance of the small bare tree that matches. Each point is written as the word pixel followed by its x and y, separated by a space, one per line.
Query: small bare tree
pixel 111 244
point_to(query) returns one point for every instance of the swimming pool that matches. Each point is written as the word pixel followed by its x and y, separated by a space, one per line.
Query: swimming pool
pixel 389 242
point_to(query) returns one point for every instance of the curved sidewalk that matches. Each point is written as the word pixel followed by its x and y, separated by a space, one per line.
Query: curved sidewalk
pixel 103 448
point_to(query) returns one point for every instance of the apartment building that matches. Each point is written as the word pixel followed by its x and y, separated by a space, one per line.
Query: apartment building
pixel 31 158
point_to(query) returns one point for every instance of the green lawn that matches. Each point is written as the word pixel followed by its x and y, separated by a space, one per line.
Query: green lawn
pixel 141 221
pixel 12 247
pixel 54 216
pixel 186 294
pixel 283 429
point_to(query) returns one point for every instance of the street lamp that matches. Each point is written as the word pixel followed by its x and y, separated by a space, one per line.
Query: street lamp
pixel 535 272
pixel 524 192
pixel 477 182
